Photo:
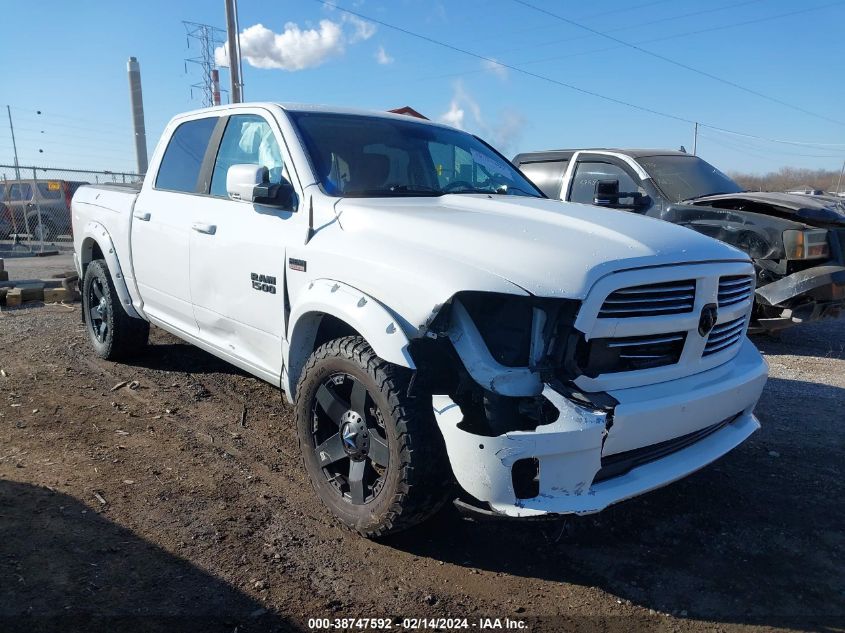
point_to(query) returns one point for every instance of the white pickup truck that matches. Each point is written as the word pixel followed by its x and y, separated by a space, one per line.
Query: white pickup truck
pixel 430 314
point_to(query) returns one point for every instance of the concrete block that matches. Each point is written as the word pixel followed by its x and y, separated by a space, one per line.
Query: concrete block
pixel 57 295
pixel 14 298
pixel 31 292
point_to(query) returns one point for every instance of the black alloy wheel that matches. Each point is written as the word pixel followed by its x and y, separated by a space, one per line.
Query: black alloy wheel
pixel 349 438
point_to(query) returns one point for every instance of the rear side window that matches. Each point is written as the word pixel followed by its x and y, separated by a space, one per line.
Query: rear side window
pixel 20 192
pixel 180 166
pixel 547 175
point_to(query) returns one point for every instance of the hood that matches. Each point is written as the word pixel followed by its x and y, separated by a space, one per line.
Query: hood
pixel 546 247
pixel 816 210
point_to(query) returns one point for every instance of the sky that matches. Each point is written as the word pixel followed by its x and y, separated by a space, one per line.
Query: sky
pixel 542 75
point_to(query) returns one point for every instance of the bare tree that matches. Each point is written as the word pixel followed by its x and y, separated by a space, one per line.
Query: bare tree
pixel 789 178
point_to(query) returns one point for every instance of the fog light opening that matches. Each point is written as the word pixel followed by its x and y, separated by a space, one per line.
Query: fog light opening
pixel 525 474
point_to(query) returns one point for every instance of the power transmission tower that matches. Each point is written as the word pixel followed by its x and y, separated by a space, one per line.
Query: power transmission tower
pixel 206 38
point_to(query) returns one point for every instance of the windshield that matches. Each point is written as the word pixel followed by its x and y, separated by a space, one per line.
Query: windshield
pixel 370 156
pixel 685 177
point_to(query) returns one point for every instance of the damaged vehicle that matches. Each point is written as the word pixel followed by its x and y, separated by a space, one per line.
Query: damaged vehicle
pixel 797 241
pixel 429 313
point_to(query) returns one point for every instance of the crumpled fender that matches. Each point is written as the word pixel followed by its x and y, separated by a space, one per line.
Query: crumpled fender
pixel 819 282
pixel 94 232
pixel 360 311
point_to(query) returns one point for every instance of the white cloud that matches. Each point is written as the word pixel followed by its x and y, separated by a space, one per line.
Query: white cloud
pixel 454 116
pixel 296 48
pixel 465 113
pixel 382 57
pixel 362 30
pixel 492 66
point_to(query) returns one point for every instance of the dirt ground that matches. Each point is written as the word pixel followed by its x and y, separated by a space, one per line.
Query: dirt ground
pixel 156 509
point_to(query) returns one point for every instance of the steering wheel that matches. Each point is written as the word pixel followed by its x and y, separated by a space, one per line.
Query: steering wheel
pixel 458 184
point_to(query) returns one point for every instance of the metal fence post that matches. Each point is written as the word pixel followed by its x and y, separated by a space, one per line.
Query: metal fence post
pixel 6 198
pixel 37 197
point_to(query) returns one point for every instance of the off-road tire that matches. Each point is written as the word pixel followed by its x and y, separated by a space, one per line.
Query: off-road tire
pixel 125 336
pixel 418 479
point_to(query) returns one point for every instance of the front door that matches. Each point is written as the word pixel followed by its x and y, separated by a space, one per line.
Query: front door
pixel 238 251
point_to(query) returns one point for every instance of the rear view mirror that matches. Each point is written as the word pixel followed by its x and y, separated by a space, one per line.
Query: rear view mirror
pixel 251 183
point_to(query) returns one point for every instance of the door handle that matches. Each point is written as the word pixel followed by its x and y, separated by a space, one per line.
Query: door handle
pixel 144 216
pixel 208 229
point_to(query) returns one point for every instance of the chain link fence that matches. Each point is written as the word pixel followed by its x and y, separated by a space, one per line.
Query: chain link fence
pixel 35 213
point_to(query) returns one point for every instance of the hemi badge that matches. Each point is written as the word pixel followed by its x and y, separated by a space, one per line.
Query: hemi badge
pixel 297 264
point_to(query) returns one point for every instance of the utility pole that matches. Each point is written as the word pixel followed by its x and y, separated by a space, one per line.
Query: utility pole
pixel 234 51
pixel 14 145
pixel 695 140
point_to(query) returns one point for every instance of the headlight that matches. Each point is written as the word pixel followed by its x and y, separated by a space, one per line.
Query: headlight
pixel 511 331
pixel 807 244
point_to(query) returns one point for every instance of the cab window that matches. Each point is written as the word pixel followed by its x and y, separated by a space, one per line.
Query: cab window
pixel 547 175
pixel 50 190
pixel 587 174
pixel 20 191
pixel 248 140
pixel 182 160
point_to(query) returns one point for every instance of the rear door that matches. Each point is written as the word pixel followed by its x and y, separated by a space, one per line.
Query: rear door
pixel 161 224
pixel 238 249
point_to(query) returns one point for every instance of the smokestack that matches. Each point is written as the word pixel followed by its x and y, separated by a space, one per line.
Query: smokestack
pixel 137 102
pixel 235 71
pixel 215 87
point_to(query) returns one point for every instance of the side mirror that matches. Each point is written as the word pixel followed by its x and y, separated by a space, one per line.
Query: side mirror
pixel 608 195
pixel 251 183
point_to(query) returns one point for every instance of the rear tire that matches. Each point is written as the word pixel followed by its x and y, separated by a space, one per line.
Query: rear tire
pixel 355 407
pixel 112 332
pixel 45 232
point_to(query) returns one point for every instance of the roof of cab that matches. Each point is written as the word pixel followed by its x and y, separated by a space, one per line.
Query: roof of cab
pixel 566 154
pixel 307 107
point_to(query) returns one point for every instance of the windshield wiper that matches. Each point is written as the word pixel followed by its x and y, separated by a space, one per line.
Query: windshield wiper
pixel 499 191
pixel 705 195
pixel 504 190
pixel 472 190
pixel 415 189
pixel 397 191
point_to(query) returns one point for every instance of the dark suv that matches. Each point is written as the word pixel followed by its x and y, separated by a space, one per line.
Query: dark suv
pixel 25 199
pixel 797 241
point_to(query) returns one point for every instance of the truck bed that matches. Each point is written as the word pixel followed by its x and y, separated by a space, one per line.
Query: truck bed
pixel 108 206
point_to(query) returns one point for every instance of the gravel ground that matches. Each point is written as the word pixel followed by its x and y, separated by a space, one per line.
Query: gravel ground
pixel 155 509
pixel 38 267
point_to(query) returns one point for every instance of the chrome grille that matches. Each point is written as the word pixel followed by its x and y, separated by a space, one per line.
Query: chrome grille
pixel 735 289
pixel 724 335
pixel 674 297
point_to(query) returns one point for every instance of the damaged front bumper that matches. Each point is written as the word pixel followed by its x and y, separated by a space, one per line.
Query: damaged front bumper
pixel 807 295
pixel 589 459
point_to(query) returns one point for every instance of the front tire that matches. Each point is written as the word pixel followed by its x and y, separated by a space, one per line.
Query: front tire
pixel 373 453
pixel 112 332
